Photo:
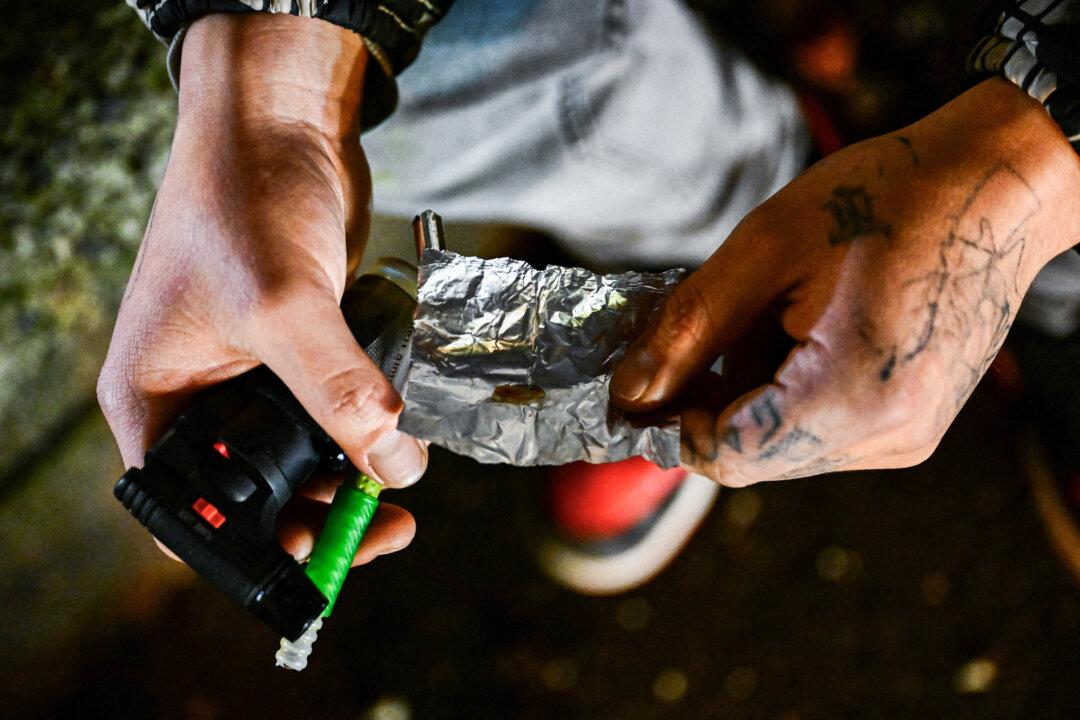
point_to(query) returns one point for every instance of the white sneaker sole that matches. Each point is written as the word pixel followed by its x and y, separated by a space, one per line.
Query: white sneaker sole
pixel 609 575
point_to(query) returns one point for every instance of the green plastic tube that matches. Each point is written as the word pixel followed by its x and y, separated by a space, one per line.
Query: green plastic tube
pixel 350 514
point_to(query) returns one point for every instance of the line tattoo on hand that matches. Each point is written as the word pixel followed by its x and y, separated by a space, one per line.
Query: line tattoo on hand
pixel 965 303
pixel 906 142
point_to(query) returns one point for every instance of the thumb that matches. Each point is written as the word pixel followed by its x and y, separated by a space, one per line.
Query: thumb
pixel 703 316
pixel 308 345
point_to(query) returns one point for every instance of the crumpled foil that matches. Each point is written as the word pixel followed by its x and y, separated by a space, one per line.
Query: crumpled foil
pixel 511 364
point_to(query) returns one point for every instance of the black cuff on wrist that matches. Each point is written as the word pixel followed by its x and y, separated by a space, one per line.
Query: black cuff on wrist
pixel 1033 45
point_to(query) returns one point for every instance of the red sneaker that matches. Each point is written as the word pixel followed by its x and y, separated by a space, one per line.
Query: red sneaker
pixel 617 525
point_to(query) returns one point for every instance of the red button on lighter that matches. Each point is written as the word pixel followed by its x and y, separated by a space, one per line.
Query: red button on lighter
pixel 208 512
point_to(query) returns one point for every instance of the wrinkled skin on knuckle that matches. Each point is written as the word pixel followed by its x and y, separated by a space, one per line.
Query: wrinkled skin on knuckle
pixel 124 411
pixel 731 474
pixel 908 409
pixel 357 398
pixel 117 386
pixel 719 467
pixel 900 405
pixel 112 392
pixel 684 321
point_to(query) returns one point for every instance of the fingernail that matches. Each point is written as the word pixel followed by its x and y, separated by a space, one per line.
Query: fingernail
pixel 634 375
pixel 398 459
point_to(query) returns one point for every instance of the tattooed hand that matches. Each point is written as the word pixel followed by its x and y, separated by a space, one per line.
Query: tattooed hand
pixel 262 212
pixel 897 266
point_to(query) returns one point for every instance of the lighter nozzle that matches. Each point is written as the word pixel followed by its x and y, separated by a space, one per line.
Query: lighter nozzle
pixel 428 232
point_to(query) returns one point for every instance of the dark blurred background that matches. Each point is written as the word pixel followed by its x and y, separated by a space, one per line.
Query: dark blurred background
pixel 929 592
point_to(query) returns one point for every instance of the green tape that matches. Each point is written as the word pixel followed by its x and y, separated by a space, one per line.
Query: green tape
pixel 350 514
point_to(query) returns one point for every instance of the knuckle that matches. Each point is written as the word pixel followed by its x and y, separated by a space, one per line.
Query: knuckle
pixel 730 474
pixel 900 406
pixel 357 396
pixel 917 456
pixel 922 441
pixel 114 391
pixel 274 294
pixel 685 319
pixel 734 481
pixel 926 439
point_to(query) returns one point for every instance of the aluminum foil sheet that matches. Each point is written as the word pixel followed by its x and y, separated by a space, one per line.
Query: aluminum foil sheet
pixel 511 364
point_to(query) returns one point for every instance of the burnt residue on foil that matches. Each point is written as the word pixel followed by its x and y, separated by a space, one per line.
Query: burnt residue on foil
pixel 511 364
pixel 517 394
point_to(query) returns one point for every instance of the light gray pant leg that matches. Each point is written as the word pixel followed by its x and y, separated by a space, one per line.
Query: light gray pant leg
pixel 1052 305
pixel 617 126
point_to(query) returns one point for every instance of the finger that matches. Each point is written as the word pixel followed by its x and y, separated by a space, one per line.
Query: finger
pixel 752 440
pixel 398 460
pixel 321 488
pixel 168 553
pixel 705 314
pixel 781 429
pixel 392 529
pixel 309 346
pixel 301 521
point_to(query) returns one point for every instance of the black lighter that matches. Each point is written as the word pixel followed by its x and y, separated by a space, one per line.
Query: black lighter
pixel 212 486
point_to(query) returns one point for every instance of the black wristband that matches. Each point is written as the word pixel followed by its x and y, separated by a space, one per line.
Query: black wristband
pixel 1033 44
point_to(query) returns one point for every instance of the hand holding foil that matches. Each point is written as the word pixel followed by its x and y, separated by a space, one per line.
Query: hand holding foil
pixel 511 364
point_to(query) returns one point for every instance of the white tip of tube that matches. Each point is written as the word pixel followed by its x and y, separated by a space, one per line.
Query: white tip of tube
pixel 294 655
